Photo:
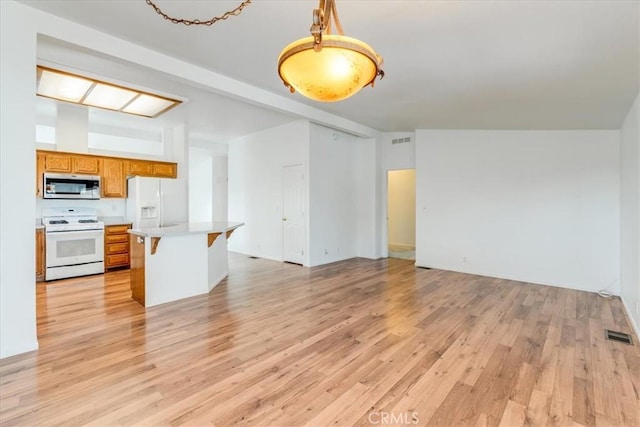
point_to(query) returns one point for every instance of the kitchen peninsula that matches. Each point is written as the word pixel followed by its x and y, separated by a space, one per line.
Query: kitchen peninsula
pixel 178 261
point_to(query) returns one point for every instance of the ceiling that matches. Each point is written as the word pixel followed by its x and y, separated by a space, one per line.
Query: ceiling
pixel 448 64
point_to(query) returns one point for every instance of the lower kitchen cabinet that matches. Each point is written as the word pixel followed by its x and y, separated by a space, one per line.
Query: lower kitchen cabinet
pixel 116 246
pixel 40 254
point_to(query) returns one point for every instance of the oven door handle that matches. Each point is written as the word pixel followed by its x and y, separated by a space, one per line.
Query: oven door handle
pixel 95 231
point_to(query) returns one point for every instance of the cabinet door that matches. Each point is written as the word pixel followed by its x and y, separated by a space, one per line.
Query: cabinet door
pixel 57 162
pixel 113 179
pixel 82 164
pixel 140 167
pixel 117 260
pixel 40 161
pixel 165 170
pixel 40 254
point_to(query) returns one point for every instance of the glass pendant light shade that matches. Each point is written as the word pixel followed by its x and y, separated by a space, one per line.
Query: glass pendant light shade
pixel 341 68
pixel 328 67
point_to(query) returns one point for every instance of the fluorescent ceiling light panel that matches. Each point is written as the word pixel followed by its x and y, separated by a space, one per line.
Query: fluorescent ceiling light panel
pixel 109 97
pixel 65 87
pixel 82 90
pixel 147 105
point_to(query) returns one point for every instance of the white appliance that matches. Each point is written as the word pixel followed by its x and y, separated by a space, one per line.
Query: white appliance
pixel 156 202
pixel 67 186
pixel 74 242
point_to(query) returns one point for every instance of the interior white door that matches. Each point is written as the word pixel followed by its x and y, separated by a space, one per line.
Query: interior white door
pixel 293 231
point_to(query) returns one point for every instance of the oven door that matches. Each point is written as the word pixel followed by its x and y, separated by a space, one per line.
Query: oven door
pixel 74 247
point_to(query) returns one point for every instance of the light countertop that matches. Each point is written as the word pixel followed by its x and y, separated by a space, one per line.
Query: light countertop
pixel 39 223
pixel 113 220
pixel 187 228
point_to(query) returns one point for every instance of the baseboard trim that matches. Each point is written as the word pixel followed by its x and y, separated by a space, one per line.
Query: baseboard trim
pixel 24 347
pixel 534 281
pixel 217 281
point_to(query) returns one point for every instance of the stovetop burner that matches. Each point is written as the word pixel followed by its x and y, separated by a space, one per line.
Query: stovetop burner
pixel 59 221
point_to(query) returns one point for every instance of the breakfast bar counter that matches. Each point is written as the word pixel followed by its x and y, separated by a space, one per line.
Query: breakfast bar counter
pixel 178 261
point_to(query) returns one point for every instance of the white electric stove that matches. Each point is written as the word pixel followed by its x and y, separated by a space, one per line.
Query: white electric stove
pixel 74 242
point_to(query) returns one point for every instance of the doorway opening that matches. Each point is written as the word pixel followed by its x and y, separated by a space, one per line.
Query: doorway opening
pixel 401 213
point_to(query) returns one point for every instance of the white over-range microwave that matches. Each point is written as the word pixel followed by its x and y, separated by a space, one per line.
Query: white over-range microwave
pixel 68 186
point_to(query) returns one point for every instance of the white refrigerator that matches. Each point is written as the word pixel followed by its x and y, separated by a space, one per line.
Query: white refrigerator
pixel 156 202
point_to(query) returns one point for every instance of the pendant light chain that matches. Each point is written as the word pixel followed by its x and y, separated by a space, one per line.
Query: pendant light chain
pixel 234 12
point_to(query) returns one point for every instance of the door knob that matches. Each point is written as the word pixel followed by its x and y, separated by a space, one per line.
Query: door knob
pixel 284 219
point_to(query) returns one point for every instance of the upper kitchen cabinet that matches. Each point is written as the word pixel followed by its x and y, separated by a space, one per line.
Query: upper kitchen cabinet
pixel 112 170
pixel 165 170
pixel 114 181
pixel 152 168
pixel 57 162
pixel 70 163
pixel 140 168
pixel 86 164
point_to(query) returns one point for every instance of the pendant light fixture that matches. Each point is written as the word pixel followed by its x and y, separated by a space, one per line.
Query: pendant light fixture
pixel 328 67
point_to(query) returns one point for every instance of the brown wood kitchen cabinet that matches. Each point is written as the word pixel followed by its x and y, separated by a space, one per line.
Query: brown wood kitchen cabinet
pixel 116 246
pixel 40 168
pixel 140 168
pixel 60 162
pixel 57 162
pixel 86 164
pixel 152 168
pixel 40 254
pixel 112 170
pixel 114 181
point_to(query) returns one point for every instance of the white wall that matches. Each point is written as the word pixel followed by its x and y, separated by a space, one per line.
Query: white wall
pixel 200 185
pixel 401 201
pixel 17 180
pixel 220 210
pixel 534 206
pixel 255 186
pixel 398 156
pixel 630 213
pixel 105 207
pixel 367 201
pixel 208 178
pixel 72 128
pixel 333 196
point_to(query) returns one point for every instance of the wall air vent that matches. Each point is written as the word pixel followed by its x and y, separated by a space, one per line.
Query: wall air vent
pixel 401 140
pixel 618 336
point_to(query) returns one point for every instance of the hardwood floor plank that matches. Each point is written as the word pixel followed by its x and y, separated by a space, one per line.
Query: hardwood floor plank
pixel 280 345
pixel 514 415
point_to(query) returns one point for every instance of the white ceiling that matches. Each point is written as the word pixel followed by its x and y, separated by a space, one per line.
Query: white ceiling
pixel 448 64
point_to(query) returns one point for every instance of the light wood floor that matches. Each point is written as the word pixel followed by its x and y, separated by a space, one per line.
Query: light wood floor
pixel 358 342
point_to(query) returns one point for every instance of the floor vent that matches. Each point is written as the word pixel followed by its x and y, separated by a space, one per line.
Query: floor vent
pixel 618 336
pixel 423 268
